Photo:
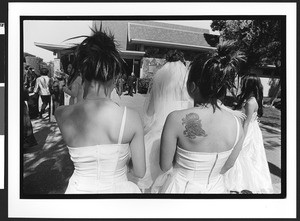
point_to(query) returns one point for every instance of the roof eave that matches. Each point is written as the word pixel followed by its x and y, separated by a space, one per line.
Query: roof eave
pixel 52 47
pixel 171 44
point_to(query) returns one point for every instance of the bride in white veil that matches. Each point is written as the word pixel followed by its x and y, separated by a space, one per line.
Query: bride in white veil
pixel 167 93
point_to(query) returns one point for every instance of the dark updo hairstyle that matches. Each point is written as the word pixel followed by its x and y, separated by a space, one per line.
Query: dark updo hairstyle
pixel 175 55
pixel 73 75
pixel 217 74
pixel 97 57
pixel 44 71
pixel 251 87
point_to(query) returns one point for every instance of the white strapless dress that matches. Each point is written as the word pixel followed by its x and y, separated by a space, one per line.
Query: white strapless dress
pixel 167 93
pixel 251 171
pixel 152 144
pixel 101 168
pixel 193 172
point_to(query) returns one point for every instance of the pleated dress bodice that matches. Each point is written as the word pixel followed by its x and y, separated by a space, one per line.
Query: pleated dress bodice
pixel 199 166
pixel 195 172
pixel 101 168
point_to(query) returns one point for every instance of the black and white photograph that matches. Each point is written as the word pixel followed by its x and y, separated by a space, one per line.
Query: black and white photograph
pixel 143 106
pixel 149 108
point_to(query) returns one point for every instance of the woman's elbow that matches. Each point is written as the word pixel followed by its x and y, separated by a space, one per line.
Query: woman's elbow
pixel 165 167
pixel 140 173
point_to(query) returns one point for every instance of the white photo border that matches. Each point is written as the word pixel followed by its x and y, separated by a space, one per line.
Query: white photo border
pixel 147 208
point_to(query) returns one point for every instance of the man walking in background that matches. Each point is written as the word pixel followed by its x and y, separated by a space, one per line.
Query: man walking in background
pixel 131 82
pixel 42 88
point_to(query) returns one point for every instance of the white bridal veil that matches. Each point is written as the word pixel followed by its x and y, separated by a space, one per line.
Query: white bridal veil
pixel 168 93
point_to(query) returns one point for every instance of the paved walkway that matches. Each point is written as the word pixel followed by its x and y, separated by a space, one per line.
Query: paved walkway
pixel 47 166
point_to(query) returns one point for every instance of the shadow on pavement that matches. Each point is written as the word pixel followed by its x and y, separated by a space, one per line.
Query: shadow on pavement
pixel 271 145
pixel 47 166
pixel 271 131
pixel 274 170
pixel 48 174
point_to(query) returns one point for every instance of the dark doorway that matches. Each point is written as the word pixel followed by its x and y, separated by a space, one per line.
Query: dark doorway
pixel 128 66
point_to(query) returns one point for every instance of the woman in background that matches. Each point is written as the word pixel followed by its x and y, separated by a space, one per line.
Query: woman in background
pixel 251 171
pixel 75 87
pixel 100 134
pixel 168 93
pixel 199 144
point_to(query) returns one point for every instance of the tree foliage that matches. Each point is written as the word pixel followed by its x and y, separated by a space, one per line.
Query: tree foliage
pixel 259 39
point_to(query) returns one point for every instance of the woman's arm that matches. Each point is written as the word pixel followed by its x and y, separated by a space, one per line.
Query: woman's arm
pixel 74 89
pixel 234 154
pixel 150 108
pixel 168 143
pixel 250 108
pixel 137 145
pixel 36 87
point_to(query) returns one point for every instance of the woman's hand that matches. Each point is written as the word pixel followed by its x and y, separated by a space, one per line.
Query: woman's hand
pixel 239 114
pixel 65 89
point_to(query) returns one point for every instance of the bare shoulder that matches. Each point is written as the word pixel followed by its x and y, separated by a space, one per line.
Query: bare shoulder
pixel 251 103
pixel 61 112
pixel 131 113
pixel 186 121
pixel 133 117
pixel 174 116
pixel 78 80
pixel 251 100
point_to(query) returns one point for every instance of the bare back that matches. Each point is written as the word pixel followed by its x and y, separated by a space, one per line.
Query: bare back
pixel 89 123
pixel 202 130
pixel 98 122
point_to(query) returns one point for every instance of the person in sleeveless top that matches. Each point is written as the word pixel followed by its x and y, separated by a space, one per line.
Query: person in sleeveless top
pixel 199 144
pixel 101 136
pixel 251 171
pixel 168 93
pixel 75 86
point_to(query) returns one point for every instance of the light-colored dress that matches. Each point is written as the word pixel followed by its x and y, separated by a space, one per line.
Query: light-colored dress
pixel 168 93
pixel 101 168
pixel 195 172
pixel 251 171
pixel 152 150
pixel 78 94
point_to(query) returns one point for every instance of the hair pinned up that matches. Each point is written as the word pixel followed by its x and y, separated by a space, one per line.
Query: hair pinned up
pixel 97 57
pixel 175 55
pixel 218 73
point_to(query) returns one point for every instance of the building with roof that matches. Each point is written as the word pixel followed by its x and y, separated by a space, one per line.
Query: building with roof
pixel 142 41
pixel 149 41
pixel 143 44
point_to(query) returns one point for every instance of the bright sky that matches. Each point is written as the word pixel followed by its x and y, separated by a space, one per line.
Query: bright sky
pixel 52 32
pixel 56 32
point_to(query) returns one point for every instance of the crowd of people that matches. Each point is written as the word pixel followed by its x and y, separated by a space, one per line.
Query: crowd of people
pixel 187 140
pixel 46 88
pixel 124 83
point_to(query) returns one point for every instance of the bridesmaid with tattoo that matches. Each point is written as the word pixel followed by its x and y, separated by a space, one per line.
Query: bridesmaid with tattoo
pixel 200 144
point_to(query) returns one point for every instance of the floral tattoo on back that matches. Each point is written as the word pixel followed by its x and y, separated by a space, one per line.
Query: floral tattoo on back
pixel 193 126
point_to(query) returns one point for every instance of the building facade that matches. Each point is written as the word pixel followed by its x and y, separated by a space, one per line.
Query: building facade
pixel 143 44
